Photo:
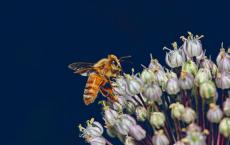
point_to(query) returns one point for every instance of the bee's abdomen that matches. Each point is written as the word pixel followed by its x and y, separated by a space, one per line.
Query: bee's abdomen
pixel 92 88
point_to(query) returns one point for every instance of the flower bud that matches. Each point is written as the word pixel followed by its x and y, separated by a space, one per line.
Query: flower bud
pixel 202 76
pixel 152 92
pixel 147 76
pixel 157 119
pixel 192 46
pixel 124 123
pixel 190 67
pixel 186 81
pixel 207 90
pixel 161 78
pixel 134 85
pixel 160 138
pixel 189 115
pixel 179 143
pixel 223 60
pixel 177 110
pixel 137 132
pixel 195 138
pixel 193 127
pixel 226 107
pixel 208 64
pixel 223 80
pixel 141 113
pixel 110 116
pixel 97 141
pixel 214 113
pixel 224 127
pixel 120 86
pixel 172 86
pixel 130 107
pixel 174 58
pixel 154 64
pixel 129 141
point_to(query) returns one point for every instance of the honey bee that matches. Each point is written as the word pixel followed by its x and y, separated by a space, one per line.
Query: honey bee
pixel 99 74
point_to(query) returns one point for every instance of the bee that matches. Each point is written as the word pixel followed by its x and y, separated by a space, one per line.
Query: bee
pixel 99 74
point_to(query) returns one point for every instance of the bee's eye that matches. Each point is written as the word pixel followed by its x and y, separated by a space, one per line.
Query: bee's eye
pixel 114 62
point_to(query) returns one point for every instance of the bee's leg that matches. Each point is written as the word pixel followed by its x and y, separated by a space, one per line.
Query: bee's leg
pixel 108 92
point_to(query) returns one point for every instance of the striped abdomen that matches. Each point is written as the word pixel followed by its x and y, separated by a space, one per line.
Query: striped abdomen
pixel 92 88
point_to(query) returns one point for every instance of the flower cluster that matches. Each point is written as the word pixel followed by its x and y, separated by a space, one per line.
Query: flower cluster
pixel 187 103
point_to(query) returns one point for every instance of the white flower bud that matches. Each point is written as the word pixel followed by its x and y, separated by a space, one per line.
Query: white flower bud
pixel 223 60
pixel 161 78
pixel 224 127
pixel 207 90
pixel 214 113
pixel 110 116
pixel 189 115
pixel 134 85
pixel 157 119
pixel 152 92
pixel 195 138
pixel 97 141
pixel 154 64
pixel 186 81
pixel 226 107
pixel 160 138
pixel 177 110
pixel 208 64
pixel 179 143
pixel 192 46
pixel 173 86
pixel 147 76
pixel 202 76
pixel 223 80
pixel 141 113
pixel 129 141
pixel 120 86
pixel 137 132
pixel 124 123
pixel 174 58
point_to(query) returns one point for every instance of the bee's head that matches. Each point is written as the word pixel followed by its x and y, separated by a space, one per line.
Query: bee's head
pixel 115 63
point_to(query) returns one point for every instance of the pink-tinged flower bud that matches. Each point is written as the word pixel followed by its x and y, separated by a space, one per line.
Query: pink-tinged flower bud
pixel 223 80
pixel 207 90
pixel 186 81
pixel 173 86
pixel 226 107
pixel 190 67
pixel 129 141
pixel 97 141
pixel 124 123
pixel 137 132
pixel 174 58
pixel 202 76
pixel 209 64
pixel 157 119
pixel 177 110
pixel 214 113
pixel 193 127
pixel 141 113
pixel 192 46
pixel 223 60
pixel 134 85
pixel 152 92
pixel 160 138
pixel 189 115
pixel 110 116
pixel 224 127
pixel 147 76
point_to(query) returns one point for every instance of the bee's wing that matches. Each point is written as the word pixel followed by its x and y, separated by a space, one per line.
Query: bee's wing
pixel 82 68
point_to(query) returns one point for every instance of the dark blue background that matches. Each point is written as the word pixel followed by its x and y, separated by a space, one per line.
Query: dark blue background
pixel 41 98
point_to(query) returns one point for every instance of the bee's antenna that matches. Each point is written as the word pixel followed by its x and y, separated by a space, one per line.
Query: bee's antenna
pixel 123 57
